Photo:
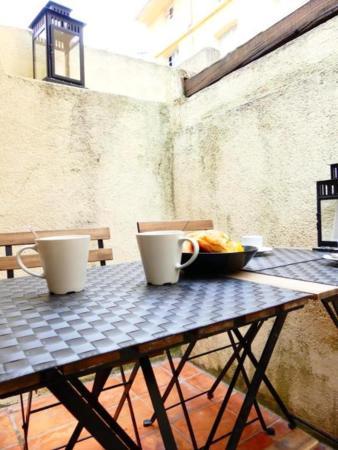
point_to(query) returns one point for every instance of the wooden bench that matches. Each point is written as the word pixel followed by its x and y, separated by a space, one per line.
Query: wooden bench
pixel 9 240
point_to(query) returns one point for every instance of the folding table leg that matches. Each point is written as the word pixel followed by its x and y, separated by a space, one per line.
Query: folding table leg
pixel 148 422
pixel 331 306
pixel 26 416
pixel 182 400
pixel 158 405
pixel 230 362
pixel 83 405
pixel 256 381
pixel 126 396
pixel 268 384
pixel 268 430
pixel 100 380
pixel 251 334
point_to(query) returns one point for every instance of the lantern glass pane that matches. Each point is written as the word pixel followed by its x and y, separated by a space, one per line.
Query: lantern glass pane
pixel 40 56
pixel 329 217
pixel 66 54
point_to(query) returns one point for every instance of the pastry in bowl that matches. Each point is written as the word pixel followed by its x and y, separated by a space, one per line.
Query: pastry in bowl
pixel 219 255
pixel 213 241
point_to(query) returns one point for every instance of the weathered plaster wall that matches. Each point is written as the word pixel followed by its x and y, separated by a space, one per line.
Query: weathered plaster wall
pixel 108 72
pixel 71 157
pixel 104 71
pixel 252 146
pixel 16 51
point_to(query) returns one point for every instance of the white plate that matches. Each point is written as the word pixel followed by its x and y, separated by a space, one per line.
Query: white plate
pixel 333 257
pixel 264 250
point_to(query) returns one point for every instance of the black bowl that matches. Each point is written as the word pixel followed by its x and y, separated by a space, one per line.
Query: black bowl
pixel 218 263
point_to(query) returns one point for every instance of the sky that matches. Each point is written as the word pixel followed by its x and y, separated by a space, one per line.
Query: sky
pixel 110 24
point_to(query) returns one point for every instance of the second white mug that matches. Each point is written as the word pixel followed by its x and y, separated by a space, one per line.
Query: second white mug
pixel 161 253
pixel 255 240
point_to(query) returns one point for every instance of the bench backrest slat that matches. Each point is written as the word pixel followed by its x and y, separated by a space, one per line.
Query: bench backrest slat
pixel 27 237
pixel 184 225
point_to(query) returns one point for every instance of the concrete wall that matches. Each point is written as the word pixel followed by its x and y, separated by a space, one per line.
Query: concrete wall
pixel 71 157
pixel 104 71
pixel 252 146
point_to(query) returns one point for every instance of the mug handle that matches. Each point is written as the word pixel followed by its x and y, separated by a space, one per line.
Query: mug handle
pixel 193 256
pixel 21 264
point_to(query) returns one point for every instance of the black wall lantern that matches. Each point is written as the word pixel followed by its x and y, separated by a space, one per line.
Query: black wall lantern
pixel 327 211
pixel 58 46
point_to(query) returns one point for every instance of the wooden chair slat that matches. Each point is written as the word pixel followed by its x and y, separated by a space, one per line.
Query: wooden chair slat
pixel 26 238
pixel 33 261
pixel 185 225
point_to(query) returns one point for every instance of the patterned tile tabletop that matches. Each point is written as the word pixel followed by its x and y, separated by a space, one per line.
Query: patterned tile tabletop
pixel 116 311
pixel 319 271
pixel 281 257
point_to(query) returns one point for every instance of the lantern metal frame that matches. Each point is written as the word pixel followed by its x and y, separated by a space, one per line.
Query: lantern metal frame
pixel 326 190
pixel 51 18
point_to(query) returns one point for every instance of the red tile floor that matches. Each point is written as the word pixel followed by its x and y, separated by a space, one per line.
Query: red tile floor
pixel 50 429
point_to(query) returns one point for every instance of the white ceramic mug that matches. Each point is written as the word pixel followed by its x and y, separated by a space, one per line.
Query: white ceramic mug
pixel 64 261
pixel 161 253
pixel 254 240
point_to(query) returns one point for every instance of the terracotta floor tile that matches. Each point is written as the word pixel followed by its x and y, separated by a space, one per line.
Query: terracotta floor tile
pixel 188 371
pixel 42 422
pixel 188 390
pixel 139 385
pixel 111 397
pixel 141 410
pixel 204 382
pixel 16 447
pixel 281 428
pixel 7 433
pixel 258 442
pixel 88 444
pixel 153 441
pixel 202 421
pixel 53 437
pixel 294 440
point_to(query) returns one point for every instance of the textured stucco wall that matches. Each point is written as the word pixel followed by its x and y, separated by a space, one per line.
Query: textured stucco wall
pixel 252 146
pixel 74 158
pixel 16 51
pixel 104 71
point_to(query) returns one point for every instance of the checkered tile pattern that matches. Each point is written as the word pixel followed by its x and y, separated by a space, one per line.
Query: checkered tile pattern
pixel 320 271
pixel 281 257
pixel 116 310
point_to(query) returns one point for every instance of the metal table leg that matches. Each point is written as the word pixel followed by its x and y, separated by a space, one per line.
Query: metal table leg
pixel 256 381
pixel 183 360
pixel 251 334
pixel 268 384
pixel 268 430
pixel 158 405
pixel 100 380
pixel 331 306
pixel 84 406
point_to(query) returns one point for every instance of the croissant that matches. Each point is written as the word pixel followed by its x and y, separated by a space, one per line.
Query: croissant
pixel 213 241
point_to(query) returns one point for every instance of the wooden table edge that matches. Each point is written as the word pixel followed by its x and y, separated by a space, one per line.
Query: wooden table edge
pixel 319 291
